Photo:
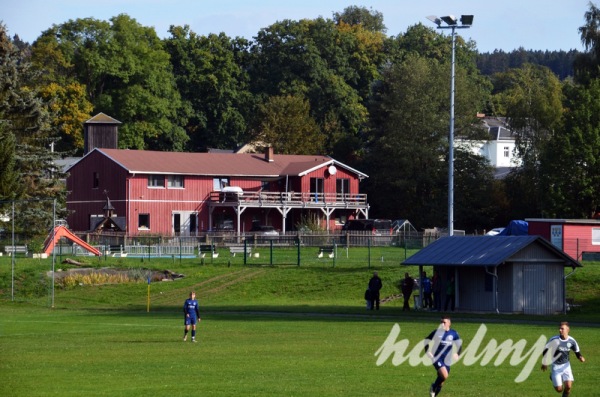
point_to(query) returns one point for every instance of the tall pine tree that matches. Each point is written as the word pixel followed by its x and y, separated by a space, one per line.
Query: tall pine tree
pixel 30 167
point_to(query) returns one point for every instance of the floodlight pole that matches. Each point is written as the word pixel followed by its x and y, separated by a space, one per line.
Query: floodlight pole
pixel 466 23
pixel 451 141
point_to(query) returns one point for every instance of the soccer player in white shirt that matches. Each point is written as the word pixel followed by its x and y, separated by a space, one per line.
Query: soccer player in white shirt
pixel 556 353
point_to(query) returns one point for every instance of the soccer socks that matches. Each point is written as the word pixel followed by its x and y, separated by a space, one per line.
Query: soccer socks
pixel 437 385
pixel 193 334
pixel 438 382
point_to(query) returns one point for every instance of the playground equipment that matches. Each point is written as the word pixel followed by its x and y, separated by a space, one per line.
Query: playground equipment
pixel 61 231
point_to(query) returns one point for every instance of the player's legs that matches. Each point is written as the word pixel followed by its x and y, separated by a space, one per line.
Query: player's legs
pixel 193 330
pixel 567 378
pixel 442 374
pixel 187 324
pixel 562 378
pixel 567 388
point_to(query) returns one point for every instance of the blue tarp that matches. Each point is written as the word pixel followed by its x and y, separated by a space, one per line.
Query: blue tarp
pixel 515 228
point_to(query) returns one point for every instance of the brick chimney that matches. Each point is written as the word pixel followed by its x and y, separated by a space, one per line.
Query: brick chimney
pixel 269 156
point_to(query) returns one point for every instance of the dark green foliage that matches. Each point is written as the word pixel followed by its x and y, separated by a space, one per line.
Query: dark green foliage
pixel 369 19
pixel 560 62
pixel 586 64
pixel 210 76
pixel 9 175
pixel 127 74
pixel 571 176
pixel 30 172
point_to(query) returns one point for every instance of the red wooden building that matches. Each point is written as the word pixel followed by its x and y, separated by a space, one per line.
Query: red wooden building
pixel 174 193
pixel 573 236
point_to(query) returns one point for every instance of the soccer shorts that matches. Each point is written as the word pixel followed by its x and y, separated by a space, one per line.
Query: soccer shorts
pixel 439 364
pixel 190 320
pixel 561 373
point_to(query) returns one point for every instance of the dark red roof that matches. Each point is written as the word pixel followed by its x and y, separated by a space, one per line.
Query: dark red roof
pixel 230 164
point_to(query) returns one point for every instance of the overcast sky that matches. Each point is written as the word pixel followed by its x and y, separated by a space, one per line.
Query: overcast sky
pixel 506 25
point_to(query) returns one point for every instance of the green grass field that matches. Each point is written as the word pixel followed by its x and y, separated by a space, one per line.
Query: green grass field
pixel 266 331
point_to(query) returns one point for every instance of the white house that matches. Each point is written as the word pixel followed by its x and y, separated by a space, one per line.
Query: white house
pixel 499 148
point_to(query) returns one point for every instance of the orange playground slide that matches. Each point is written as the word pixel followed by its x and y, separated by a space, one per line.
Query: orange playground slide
pixel 61 231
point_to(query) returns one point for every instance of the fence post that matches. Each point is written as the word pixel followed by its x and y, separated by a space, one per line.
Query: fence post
pixel 298 245
pixel 245 250
pixel 271 253
pixel 334 252
pixel 369 251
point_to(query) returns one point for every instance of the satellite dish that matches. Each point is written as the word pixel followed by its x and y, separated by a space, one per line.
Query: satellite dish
pixel 332 170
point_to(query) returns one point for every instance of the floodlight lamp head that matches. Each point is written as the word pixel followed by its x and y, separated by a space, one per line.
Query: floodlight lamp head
pixel 466 20
pixel 450 20
pixel 435 20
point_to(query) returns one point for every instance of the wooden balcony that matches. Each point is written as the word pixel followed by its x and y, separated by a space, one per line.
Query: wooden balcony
pixel 287 200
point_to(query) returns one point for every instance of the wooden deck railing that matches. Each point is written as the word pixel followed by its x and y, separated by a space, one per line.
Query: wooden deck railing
pixel 289 198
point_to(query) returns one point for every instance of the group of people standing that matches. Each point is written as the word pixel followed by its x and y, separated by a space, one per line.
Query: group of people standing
pixel 432 292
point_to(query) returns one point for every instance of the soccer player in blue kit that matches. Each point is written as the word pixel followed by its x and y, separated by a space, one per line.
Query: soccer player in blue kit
pixel 192 315
pixel 439 347
pixel 556 353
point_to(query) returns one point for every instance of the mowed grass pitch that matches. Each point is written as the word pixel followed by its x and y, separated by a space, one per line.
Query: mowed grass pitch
pixel 266 331
pixel 75 353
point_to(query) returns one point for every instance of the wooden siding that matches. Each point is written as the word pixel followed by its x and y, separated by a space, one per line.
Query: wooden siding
pixel 471 290
pixel 539 229
pixel 131 196
pixel 531 288
pixel 83 199
pixel 578 239
pixel 100 136
pixel 532 283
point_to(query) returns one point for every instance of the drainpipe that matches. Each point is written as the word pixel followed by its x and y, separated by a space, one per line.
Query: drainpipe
pixel 495 275
pixel 564 297
pixel 127 228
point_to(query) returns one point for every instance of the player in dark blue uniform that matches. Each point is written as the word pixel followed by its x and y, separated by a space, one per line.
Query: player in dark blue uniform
pixel 439 347
pixel 192 315
pixel 556 353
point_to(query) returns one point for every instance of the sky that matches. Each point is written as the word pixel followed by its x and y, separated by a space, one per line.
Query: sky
pixel 498 25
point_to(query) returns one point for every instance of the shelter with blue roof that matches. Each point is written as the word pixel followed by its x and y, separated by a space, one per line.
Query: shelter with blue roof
pixel 502 274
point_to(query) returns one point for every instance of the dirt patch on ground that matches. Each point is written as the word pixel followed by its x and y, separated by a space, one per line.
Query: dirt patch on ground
pixel 164 275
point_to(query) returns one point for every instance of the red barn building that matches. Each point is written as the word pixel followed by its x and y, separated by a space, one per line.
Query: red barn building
pixel 573 236
pixel 174 193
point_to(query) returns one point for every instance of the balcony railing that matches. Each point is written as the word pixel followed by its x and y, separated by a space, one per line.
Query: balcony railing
pixel 290 199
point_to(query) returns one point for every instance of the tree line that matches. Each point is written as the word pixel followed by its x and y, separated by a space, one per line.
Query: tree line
pixel 336 86
pixel 559 62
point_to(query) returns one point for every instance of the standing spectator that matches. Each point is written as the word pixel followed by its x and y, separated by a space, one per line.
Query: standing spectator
pixel 408 284
pixel 191 316
pixel 559 348
pixel 446 348
pixel 450 292
pixel 426 285
pixel 436 287
pixel 375 286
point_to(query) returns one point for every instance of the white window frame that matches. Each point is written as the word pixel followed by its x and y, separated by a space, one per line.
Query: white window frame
pixel 596 236
pixel 175 182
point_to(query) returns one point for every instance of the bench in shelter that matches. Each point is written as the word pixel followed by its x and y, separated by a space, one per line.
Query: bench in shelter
pixel 15 249
pixel 329 251
pixel 239 249
pixel 204 249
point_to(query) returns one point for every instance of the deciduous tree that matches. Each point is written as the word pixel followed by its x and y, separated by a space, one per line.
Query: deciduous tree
pixel 286 124
pixel 211 78
pixel 127 75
